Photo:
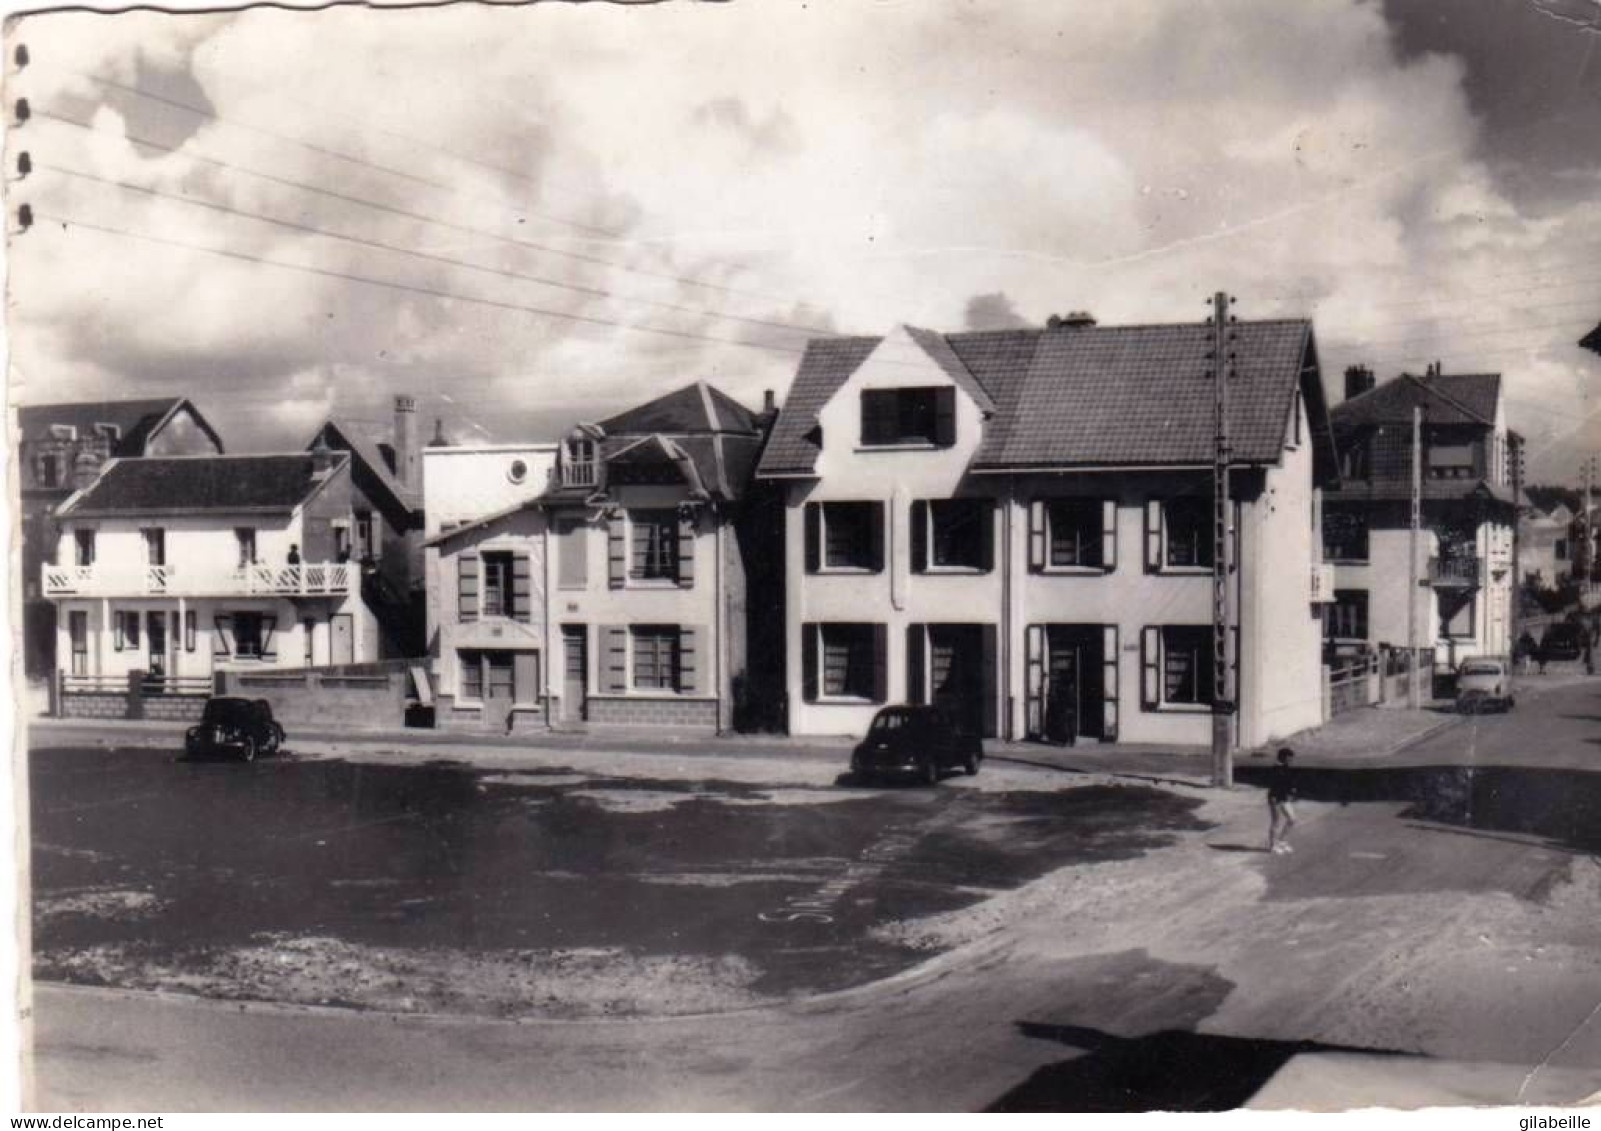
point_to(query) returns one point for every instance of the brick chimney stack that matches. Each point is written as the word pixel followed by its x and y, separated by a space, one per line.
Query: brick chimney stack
pixel 407 448
pixel 1358 380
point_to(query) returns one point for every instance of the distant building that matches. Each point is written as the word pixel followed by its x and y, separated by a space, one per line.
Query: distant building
pixel 62 447
pixel 178 566
pixel 1465 552
pixel 1545 543
pixel 387 523
pixel 1018 525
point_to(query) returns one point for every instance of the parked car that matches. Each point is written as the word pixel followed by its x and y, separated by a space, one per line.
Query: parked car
pixel 233 726
pixel 920 741
pixel 1562 641
pixel 1484 684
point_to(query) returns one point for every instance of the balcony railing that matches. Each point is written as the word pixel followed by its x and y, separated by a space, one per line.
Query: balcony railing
pixel 309 579
pixel 579 473
pixel 1464 571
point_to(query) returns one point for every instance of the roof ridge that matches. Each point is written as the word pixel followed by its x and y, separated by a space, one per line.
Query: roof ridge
pixel 1423 383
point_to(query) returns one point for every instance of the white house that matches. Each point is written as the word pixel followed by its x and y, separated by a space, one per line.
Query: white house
pixel 1017 525
pixel 179 566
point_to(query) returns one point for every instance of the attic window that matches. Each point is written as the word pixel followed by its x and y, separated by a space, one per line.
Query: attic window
pixel 518 471
pixel 578 464
pixel 896 417
pixel 63 432
pixel 112 432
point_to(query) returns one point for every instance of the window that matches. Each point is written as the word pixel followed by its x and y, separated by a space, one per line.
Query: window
pixel 848 660
pixel 502 678
pixel 1187 525
pixel 78 630
pixel 844 536
pixel 572 553
pixel 125 630
pixel 1347 617
pixel 578 465
pixel 1345 534
pixel 84 546
pixel 1356 459
pixel 308 629
pixel 249 636
pixel 656 657
pixel 366 536
pixel 1186 664
pixel 518 471
pixel 893 417
pixel 471 666
pixel 47 471
pixel 155 545
pixel 654 550
pixel 341 542
pixel 245 538
pixel 1562 550
pixel 953 534
pixel 1073 533
pixel 499 599
pixel 1451 461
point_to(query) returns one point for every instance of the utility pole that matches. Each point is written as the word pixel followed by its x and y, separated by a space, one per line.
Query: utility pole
pixel 1515 458
pixel 1589 534
pixel 1414 695
pixel 1222 706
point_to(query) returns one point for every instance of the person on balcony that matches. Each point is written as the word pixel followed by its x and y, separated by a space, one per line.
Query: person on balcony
pixel 294 554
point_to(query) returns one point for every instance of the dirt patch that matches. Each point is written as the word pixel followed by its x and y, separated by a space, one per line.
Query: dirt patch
pixel 102 904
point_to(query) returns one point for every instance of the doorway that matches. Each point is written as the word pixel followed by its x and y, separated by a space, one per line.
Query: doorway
pixel 342 638
pixel 156 651
pixel 575 672
pixel 1069 697
pixel 500 689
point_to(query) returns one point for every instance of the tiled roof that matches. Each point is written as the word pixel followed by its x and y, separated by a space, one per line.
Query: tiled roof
pixel 1089 395
pixel 693 409
pixel 135 420
pixel 1448 398
pixel 940 350
pixel 200 484
pixel 367 450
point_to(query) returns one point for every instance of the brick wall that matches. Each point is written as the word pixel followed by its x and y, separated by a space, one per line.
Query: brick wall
pixel 94 705
pixel 448 716
pixel 175 708
pixel 669 710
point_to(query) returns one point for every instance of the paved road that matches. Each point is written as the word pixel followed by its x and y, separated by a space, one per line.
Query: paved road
pixel 1433 936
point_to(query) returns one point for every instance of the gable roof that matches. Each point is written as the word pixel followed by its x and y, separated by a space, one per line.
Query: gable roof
pixel 1448 398
pixel 368 452
pixel 693 409
pixel 940 351
pixel 201 485
pixel 1091 395
pixel 137 420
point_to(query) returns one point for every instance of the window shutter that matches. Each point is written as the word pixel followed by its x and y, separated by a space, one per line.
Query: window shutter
pixel 189 630
pixel 916 662
pixel 989 653
pixel 1034 680
pixel 614 662
pixel 693 667
pixel 986 532
pixel 919 536
pixel 222 639
pixel 875 537
pixel 617 552
pixel 522 587
pixel 118 637
pixel 1109 534
pixel 1150 668
pixel 268 624
pixel 466 587
pixel 1036 535
pixel 809 634
pixel 945 417
pixel 686 550
pixel 1109 689
pixel 813 515
pixel 880 662
pixel 525 678
pixel 1153 536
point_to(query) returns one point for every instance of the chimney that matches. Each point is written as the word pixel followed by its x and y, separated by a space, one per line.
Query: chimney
pixel 1073 320
pixel 407 448
pixel 322 457
pixel 440 440
pixel 769 402
pixel 1358 380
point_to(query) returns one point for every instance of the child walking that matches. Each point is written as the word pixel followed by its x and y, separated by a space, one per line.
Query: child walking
pixel 1281 803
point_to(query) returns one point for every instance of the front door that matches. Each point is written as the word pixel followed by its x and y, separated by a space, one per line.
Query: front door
pixel 342 636
pixel 1069 666
pixel 156 650
pixel 500 689
pixel 956 675
pixel 575 672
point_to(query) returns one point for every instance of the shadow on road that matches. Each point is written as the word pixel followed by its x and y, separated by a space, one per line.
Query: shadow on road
pixel 1563 806
pixel 1168 1071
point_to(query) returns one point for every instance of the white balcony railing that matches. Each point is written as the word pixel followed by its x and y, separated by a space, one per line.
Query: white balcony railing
pixel 579 473
pixel 309 579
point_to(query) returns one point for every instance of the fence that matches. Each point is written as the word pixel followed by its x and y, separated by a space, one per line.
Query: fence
pixel 136 695
pixel 360 696
pixel 1375 678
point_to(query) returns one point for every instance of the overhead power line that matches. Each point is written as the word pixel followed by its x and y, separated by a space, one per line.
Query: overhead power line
pixel 448 260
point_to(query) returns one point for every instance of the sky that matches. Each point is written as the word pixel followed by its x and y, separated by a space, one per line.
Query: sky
pixel 532 215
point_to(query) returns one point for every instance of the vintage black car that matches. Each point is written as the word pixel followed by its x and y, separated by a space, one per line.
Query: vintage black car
pixel 242 728
pixel 915 741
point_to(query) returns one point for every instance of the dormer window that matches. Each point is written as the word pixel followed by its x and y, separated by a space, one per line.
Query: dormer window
pixel 109 432
pixel 63 432
pixel 917 417
pixel 580 466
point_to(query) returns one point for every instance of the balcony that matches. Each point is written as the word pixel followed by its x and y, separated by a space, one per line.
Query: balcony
pixel 309 579
pixel 1459 572
pixel 579 473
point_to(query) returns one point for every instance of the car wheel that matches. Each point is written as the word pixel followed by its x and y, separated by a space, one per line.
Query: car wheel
pixel 970 764
pixel 931 772
pixel 247 751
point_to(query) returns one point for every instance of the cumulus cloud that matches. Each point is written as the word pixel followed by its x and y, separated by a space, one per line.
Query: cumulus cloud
pixel 689 181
